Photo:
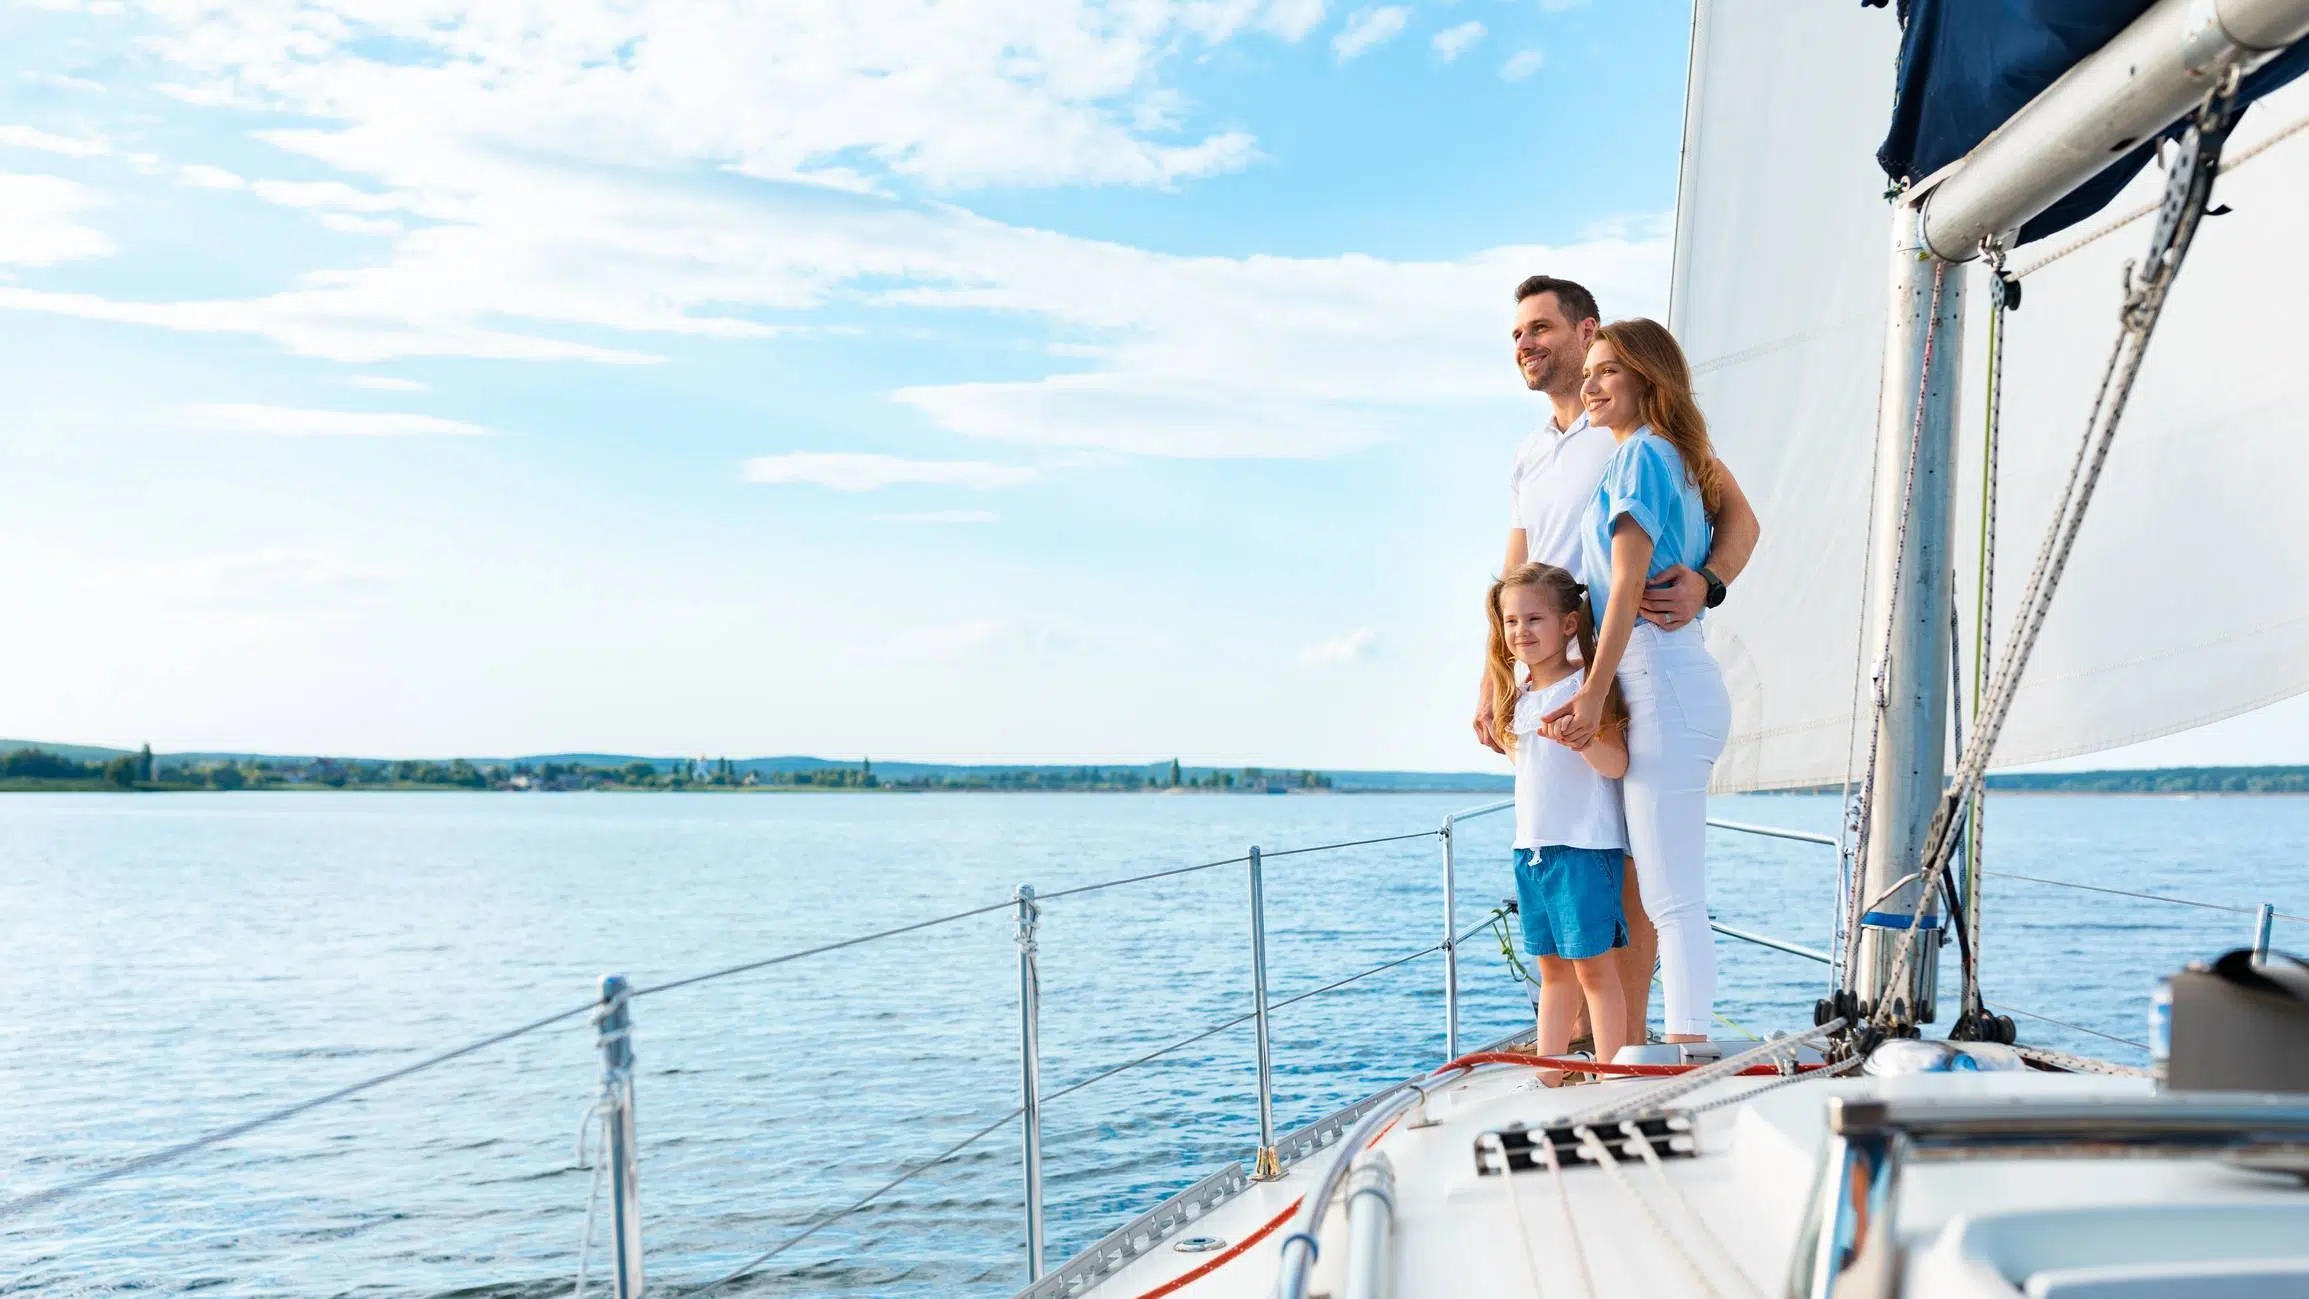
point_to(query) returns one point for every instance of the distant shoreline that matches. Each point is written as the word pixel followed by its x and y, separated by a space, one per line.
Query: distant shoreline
pixel 36 767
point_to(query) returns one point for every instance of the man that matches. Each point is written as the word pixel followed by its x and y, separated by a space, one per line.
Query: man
pixel 1556 474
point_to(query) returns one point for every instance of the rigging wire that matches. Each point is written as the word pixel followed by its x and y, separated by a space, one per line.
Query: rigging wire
pixel 2188 187
pixel 2148 897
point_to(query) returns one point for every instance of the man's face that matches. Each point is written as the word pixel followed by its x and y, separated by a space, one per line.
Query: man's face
pixel 1548 348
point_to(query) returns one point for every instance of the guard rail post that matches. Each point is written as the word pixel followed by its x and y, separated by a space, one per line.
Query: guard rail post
pixel 1268 1167
pixel 1450 942
pixel 1030 1076
pixel 2262 920
pixel 615 1021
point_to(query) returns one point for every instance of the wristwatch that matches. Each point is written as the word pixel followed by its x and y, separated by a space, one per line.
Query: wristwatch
pixel 1715 587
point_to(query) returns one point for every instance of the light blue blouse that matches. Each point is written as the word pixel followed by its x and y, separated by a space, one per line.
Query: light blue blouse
pixel 1645 481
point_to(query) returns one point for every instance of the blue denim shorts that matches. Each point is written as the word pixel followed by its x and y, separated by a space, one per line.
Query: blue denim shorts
pixel 1569 899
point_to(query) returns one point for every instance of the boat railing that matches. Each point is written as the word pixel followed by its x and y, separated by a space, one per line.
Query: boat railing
pixel 611 1014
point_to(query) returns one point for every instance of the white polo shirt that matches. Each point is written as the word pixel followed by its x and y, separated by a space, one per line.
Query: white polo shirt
pixel 1555 478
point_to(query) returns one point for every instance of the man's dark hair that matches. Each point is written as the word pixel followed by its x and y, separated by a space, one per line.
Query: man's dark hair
pixel 1576 302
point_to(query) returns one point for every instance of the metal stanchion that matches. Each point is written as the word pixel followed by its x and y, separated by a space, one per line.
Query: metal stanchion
pixel 1450 943
pixel 1268 1167
pixel 1030 1076
pixel 2262 920
pixel 616 1037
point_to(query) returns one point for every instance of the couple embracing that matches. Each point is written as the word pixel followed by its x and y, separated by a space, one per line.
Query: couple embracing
pixel 1626 529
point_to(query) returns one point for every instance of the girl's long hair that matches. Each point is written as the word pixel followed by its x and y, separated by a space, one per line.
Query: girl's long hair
pixel 1564 595
pixel 1647 348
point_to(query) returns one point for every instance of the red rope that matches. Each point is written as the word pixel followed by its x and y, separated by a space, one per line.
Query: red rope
pixel 1574 1064
pixel 1237 1251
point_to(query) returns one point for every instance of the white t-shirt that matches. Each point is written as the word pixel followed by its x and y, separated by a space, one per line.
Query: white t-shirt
pixel 1560 801
pixel 1555 478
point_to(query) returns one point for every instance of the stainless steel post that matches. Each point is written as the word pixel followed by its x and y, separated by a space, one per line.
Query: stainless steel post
pixel 616 1037
pixel 2262 921
pixel 1268 1166
pixel 1910 589
pixel 1030 1076
pixel 1450 942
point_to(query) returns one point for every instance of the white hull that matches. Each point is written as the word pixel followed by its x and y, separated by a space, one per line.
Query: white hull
pixel 1731 1220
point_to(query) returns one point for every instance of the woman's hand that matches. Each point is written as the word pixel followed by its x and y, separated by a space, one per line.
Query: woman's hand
pixel 1574 724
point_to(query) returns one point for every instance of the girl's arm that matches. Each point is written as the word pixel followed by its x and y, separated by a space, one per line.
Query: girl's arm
pixel 1608 752
pixel 1631 561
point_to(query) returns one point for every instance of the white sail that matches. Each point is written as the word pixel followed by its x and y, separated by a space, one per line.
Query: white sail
pixel 2188 597
pixel 1778 297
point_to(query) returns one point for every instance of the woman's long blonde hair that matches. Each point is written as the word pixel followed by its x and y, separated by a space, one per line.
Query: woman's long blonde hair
pixel 1650 351
pixel 1564 595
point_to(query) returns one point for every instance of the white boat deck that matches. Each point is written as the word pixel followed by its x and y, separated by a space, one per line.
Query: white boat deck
pixel 2055 1228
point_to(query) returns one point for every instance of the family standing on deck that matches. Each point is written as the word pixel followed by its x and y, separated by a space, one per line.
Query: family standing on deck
pixel 1626 529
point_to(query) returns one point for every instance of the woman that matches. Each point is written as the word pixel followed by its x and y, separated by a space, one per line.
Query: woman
pixel 1649 514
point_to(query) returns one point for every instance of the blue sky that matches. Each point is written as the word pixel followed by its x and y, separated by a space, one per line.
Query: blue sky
pixel 957 381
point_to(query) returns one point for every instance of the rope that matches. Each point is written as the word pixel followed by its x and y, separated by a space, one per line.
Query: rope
pixel 1831 1070
pixel 1491 1144
pixel 1724 1256
pixel 1984 610
pixel 2147 897
pixel 1650 1099
pixel 2230 164
pixel 1570 1224
pixel 1594 1147
pixel 593 1192
pixel 2187 187
pixel 2075 1028
pixel 1892 612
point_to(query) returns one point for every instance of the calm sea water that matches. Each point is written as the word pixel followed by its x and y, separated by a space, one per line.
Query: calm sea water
pixel 181 962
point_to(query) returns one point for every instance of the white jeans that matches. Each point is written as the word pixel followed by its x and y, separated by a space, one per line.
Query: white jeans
pixel 1678 717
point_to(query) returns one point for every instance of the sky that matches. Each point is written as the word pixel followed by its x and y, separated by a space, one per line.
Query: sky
pixel 981 380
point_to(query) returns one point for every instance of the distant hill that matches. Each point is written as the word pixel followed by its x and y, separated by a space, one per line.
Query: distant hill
pixel 2160 780
pixel 782 770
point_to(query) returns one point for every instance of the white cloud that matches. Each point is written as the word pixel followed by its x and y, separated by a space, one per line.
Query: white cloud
pixel 941 517
pixel 951 94
pixel 1522 64
pixel 264 580
pixel 1367 29
pixel 550 218
pixel 1293 19
pixel 202 176
pixel 25 137
pixel 40 222
pixel 1347 647
pixel 348 224
pixel 385 383
pixel 846 471
pixel 289 421
pixel 1452 42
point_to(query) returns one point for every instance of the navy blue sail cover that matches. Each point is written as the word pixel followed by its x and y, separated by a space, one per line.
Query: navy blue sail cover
pixel 1967 65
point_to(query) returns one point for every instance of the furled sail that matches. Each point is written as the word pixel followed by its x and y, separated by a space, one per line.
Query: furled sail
pixel 2188 597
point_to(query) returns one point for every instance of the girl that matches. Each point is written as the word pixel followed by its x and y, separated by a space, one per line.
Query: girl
pixel 1649 514
pixel 1570 839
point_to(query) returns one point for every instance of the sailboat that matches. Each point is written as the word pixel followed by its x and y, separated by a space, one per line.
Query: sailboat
pixel 1890 639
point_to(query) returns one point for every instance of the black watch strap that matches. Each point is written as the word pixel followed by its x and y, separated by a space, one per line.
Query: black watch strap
pixel 1715 587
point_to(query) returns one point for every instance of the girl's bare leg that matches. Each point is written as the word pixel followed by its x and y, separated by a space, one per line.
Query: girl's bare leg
pixel 1599 978
pixel 1559 1003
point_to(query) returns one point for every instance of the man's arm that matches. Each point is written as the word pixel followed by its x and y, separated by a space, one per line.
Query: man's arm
pixel 1517 550
pixel 1678 594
